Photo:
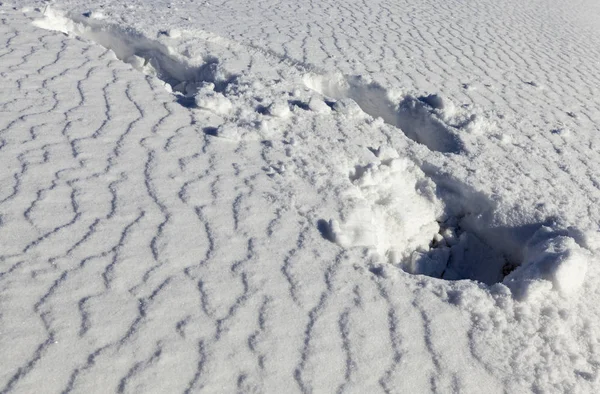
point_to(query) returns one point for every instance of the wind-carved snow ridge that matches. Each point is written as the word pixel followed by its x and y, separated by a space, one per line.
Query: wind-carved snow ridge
pixel 443 229
pixel 420 118
pixel 148 56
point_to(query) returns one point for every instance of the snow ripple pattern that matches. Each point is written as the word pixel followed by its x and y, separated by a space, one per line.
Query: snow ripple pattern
pixel 159 247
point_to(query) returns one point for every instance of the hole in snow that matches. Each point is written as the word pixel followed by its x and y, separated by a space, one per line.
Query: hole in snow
pixel 531 260
pixel 416 117
pixel 299 104
pixel 324 230
pixel 430 224
pixel 467 244
pixel 458 251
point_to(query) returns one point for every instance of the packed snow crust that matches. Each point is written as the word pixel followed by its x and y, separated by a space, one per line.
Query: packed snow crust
pixel 314 197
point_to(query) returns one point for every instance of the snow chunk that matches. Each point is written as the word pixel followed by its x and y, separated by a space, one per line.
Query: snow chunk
pixel 551 257
pixel 434 101
pixel 230 132
pixel 174 33
pixel 98 15
pixel 141 64
pixel 318 105
pixel 431 264
pixel 208 99
pixel 349 108
pixel 279 109
pixel 53 20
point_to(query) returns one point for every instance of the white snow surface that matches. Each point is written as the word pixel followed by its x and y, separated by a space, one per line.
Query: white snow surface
pixel 316 197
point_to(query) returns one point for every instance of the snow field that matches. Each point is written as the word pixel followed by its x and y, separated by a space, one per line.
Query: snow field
pixel 262 222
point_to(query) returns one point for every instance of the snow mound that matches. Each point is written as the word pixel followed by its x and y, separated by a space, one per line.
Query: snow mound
pixel 553 260
pixel 392 208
